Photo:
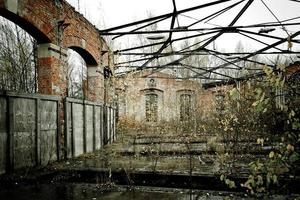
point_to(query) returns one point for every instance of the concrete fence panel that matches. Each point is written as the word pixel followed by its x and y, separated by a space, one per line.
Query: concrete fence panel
pixel 48 131
pixel 29 129
pixel 98 125
pixel 78 128
pixel 23 132
pixel 89 126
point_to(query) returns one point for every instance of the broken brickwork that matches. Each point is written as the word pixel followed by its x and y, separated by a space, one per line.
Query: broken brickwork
pixel 56 26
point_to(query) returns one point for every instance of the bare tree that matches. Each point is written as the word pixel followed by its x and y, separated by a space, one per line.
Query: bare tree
pixel 17 59
pixel 195 64
pixel 77 73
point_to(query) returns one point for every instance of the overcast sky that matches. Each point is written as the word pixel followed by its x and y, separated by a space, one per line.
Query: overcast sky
pixel 110 13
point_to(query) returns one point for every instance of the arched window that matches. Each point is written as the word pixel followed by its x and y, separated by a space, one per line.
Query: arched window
pixel 185 107
pixel 219 101
pixel 151 108
pixel 185 104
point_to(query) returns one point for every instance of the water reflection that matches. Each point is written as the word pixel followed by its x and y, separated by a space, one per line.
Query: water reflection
pixel 72 191
pixel 79 192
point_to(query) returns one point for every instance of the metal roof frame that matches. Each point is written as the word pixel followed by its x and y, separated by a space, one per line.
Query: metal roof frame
pixel 201 48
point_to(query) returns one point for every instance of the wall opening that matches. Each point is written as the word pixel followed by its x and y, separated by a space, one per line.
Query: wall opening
pixel 185 107
pixel 18 58
pixel 151 108
pixel 77 75
pixel 220 102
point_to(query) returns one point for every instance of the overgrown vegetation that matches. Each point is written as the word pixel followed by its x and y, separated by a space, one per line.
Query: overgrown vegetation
pixel 262 110
pixel 256 124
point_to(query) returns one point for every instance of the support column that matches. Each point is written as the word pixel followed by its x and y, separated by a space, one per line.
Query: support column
pixel 94 86
pixel 53 80
pixel 52 70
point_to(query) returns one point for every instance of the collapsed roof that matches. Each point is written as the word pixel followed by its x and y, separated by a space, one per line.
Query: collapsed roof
pixel 189 46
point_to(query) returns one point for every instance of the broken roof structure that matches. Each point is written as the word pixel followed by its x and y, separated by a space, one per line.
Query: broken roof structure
pixel 162 48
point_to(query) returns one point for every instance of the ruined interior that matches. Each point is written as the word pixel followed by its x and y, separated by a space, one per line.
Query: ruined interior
pixel 188 109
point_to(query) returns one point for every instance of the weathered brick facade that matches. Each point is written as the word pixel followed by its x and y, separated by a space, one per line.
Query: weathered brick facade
pixel 133 89
pixel 57 26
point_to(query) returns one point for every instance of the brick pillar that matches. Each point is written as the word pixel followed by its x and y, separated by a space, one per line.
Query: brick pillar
pixel 94 84
pixel 52 69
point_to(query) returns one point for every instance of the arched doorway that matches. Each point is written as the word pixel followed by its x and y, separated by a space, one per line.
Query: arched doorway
pixel 77 75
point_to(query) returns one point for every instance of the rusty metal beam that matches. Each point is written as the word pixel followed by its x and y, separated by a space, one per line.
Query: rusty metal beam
pixel 158 43
pixel 222 28
pixel 163 16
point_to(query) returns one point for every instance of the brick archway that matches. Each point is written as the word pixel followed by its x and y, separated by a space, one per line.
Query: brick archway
pixel 92 86
pixel 57 26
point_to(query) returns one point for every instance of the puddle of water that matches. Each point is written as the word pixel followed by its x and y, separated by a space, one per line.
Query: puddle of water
pixel 138 195
pixel 71 191
pixel 79 191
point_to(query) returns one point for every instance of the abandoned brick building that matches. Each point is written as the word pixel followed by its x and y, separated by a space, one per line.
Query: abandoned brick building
pixel 36 129
pixel 158 96
pixel 154 97
pixel 148 96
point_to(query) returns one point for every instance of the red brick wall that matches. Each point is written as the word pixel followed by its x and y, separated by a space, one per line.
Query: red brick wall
pixel 39 18
pixel 295 67
pixel 44 15
pixel 50 76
